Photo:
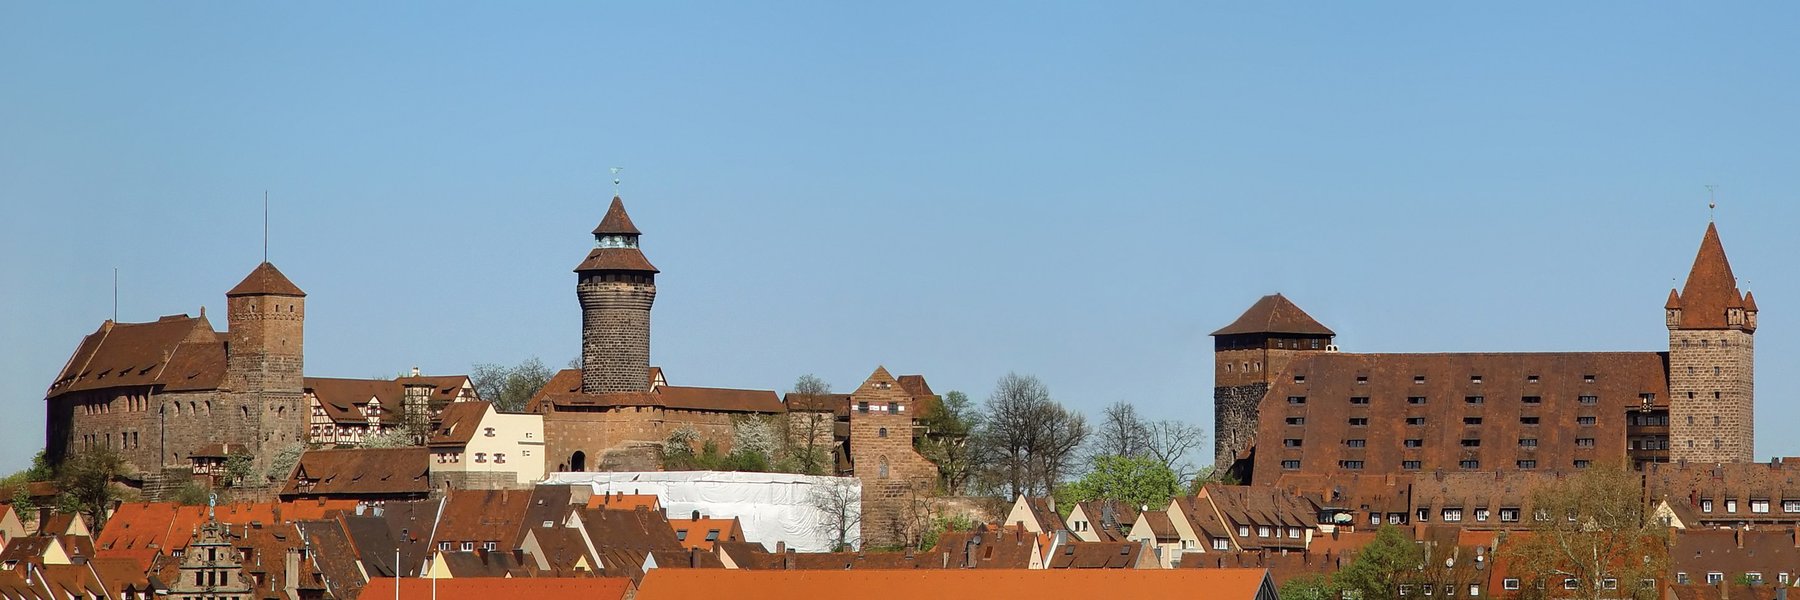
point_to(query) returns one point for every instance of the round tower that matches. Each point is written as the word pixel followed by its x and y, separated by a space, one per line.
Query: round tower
pixel 616 286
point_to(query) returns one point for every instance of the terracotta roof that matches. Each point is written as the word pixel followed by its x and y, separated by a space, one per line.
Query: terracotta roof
pixel 914 385
pixel 1006 548
pixel 564 389
pixel 1107 519
pixel 747 555
pixel 177 352
pixel 457 423
pixel 1075 554
pixel 361 471
pixel 624 501
pixel 615 259
pixel 265 280
pixel 1749 302
pixel 1017 584
pixel 481 516
pixel 492 588
pixel 616 222
pixel 1160 526
pixel 630 530
pixel 1047 518
pixel 335 555
pixel 1256 507
pixel 561 551
pixel 694 533
pixel 1497 398
pixel 345 399
pixel 1274 314
pixel 840 561
pixel 832 403
pixel 1686 485
pixel 484 563
pixel 1711 289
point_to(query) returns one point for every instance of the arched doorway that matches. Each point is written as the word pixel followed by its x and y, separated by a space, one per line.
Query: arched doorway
pixel 578 461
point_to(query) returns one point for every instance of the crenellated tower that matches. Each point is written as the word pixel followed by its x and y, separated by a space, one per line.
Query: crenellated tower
pixel 616 286
pixel 1712 352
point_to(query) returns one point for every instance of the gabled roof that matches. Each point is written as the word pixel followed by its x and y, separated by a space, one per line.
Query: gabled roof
pixel 615 259
pixel 564 389
pixel 1275 314
pixel 265 280
pixel 458 422
pixel 482 516
pixel 1015 584
pixel 616 222
pixel 177 352
pixel 630 530
pixel 335 555
pixel 1711 289
pixel 361 471
pixel 494 588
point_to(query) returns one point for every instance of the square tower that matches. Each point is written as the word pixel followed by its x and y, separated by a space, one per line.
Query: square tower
pixel 896 480
pixel 1712 360
pixel 1247 355
pixel 265 363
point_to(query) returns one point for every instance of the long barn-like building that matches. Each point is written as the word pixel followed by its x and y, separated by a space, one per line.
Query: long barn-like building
pixel 1291 407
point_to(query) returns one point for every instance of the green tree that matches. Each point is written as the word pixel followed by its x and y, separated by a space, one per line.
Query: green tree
pixel 946 440
pixel 283 463
pixel 1382 565
pixel 86 481
pixel 1311 586
pixel 19 484
pixel 1137 481
pixel 510 388
pixel 238 468
pixel 809 441
pixel 192 494
pixel 1592 528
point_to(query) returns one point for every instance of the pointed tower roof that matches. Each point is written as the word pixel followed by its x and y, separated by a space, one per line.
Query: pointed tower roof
pixel 1749 302
pixel 265 280
pixel 1274 313
pixel 1674 300
pixel 1711 289
pixel 616 221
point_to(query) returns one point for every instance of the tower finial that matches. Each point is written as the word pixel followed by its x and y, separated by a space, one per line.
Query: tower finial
pixel 1712 202
pixel 265 225
pixel 615 174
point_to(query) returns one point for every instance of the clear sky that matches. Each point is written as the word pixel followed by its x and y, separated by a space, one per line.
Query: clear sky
pixel 1076 191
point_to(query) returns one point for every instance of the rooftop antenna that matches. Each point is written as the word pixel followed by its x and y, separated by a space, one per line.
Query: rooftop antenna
pixel 115 294
pixel 615 174
pixel 265 225
pixel 1712 202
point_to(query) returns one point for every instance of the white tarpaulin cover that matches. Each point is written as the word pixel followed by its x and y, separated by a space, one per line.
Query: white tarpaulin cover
pixel 773 507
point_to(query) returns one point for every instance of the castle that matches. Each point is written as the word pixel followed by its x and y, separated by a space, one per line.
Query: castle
pixel 1290 408
pixel 167 393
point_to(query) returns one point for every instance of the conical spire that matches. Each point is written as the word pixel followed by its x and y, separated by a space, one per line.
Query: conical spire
pixel 1674 301
pixel 1749 303
pixel 1711 289
pixel 616 221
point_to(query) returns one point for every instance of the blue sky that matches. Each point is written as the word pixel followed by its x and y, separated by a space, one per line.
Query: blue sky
pixel 1076 191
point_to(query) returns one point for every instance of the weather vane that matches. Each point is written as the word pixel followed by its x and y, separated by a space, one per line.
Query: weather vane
pixel 1712 203
pixel 615 174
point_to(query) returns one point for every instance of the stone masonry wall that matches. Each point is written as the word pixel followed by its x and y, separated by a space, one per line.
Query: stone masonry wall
pixel 1235 419
pixel 1712 402
pixel 624 432
pixel 615 335
pixel 897 482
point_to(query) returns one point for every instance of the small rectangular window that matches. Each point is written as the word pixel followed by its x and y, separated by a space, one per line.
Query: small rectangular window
pixel 1359 400
pixel 1587 378
pixel 1291 442
pixel 1584 421
pixel 1474 399
pixel 1410 465
pixel 1471 420
pixel 1355 443
pixel 1452 515
pixel 1583 464
pixel 1415 420
pixel 1527 442
pixel 1296 420
pixel 1415 399
pixel 1299 379
pixel 1350 464
pixel 1290 465
pixel 1471 443
pixel 1528 420
pixel 1481 515
pixel 1296 399
pixel 1509 515
pixel 1362 379
pixel 1531 400
pixel 1414 443
pixel 1418 379
pixel 1527 464
pixel 1359 421
pixel 1590 399
pixel 1706 505
pixel 1470 464
pixel 1475 379
pixel 1511 583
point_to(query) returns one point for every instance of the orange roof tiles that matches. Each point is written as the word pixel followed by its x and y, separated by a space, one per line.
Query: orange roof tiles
pixel 492 588
pixel 1013 584
pixel 1274 313
pixel 265 280
pixel 361 471
pixel 623 501
pixel 702 532
pixel 616 221
pixel 1711 289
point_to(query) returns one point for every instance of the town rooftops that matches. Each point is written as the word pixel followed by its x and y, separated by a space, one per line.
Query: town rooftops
pixel 458 422
pixel 1001 584
pixel 494 588
pixel 1274 313
pixel 176 352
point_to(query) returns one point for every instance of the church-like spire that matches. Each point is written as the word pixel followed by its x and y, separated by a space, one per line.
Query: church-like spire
pixel 616 221
pixel 1711 292
pixel 616 244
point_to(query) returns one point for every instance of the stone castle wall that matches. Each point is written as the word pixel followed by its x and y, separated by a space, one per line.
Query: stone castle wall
pixel 615 334
pixel 1235 410
pixel 615 439
pixel 1712 396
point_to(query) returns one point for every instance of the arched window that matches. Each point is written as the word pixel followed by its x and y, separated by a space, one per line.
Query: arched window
pixel 883 432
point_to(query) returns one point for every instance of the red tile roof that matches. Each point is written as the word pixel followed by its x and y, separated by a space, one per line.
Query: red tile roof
pixel 1711 289
pixel 616 221
pixel 615 259
pixel 265 280
pixel 564 389
pixel 1274 314
pixel 178 352
pixel 458 422
pixel 494 588
pixel 1014 584
pixel 362 471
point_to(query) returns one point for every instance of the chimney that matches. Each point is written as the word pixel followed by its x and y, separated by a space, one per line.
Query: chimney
pixel 1738 534
pixel 693 558
pixel 415 371
pixel 780 547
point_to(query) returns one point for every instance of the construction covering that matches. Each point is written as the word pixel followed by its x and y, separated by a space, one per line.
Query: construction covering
pixel 772 507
